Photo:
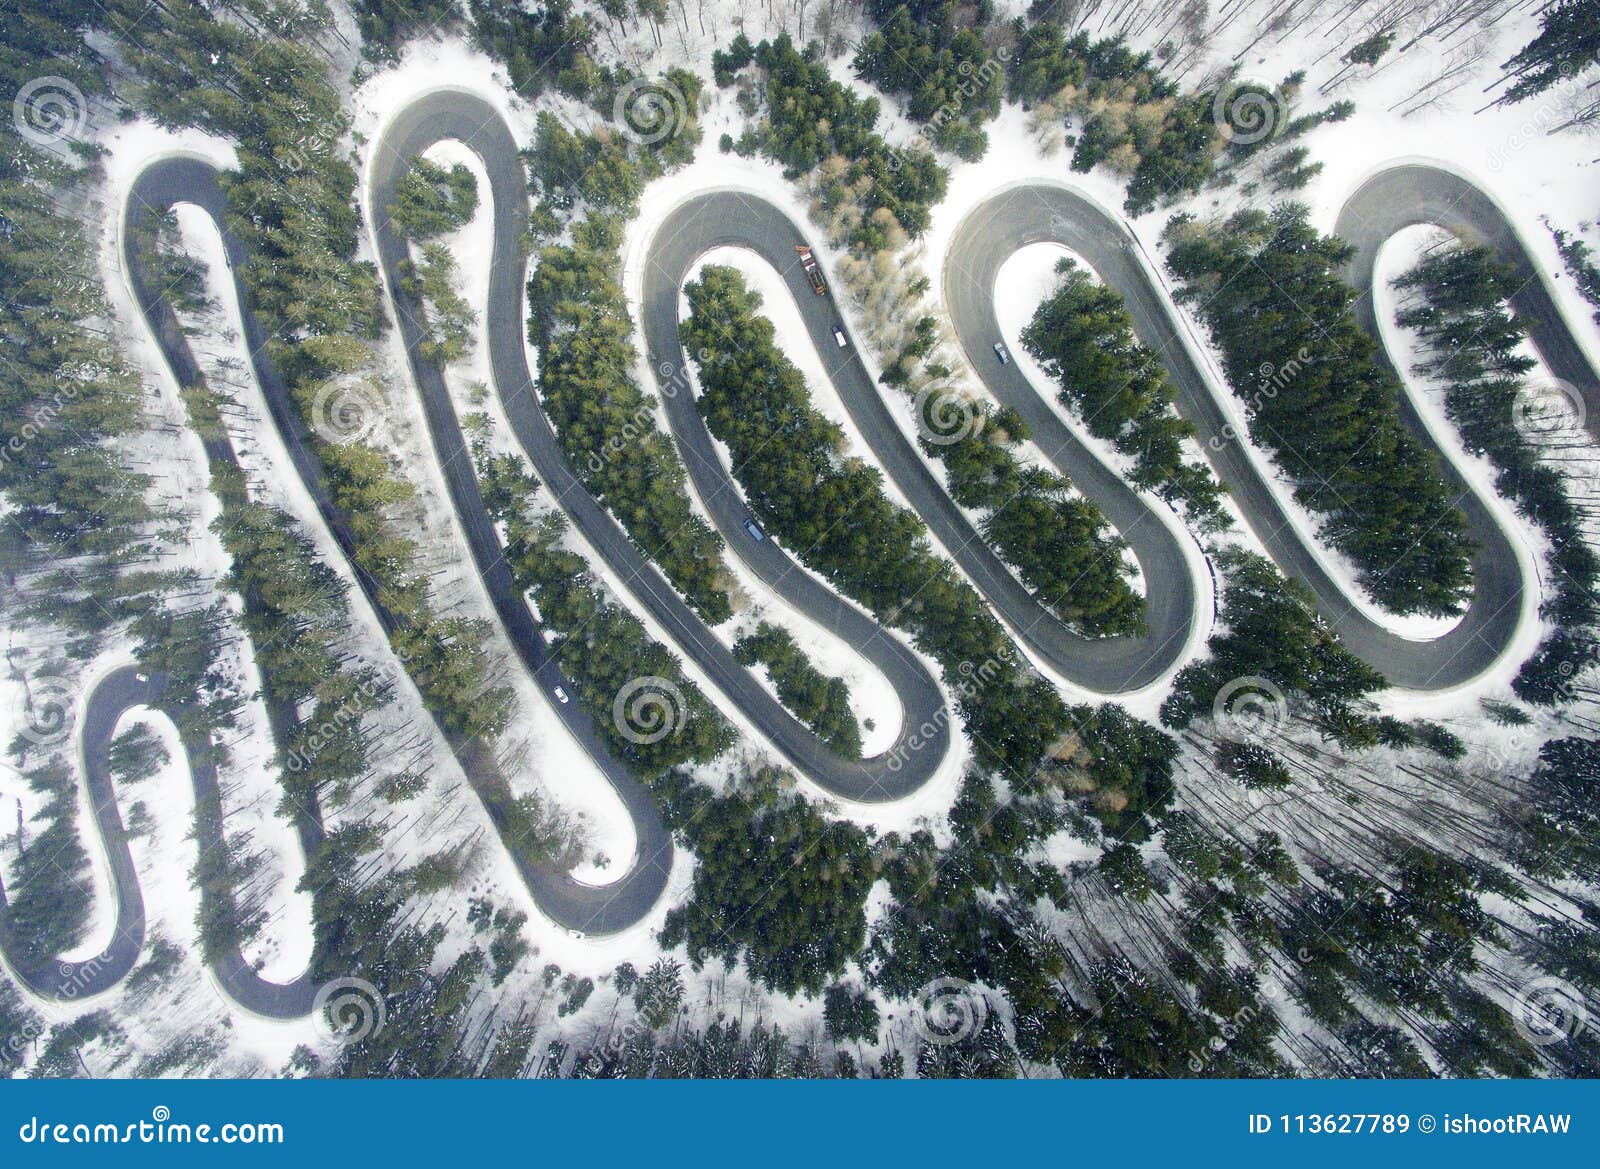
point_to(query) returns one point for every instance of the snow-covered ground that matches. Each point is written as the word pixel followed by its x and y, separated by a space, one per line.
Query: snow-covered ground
pixel 1506 151
pixel 563 767
pixel 1397 257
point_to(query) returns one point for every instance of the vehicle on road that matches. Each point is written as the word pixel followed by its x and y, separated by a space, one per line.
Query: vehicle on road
pixel 755 531
pixel 838 335
pixel 561 695
pixel 1000 352
pixel 812 270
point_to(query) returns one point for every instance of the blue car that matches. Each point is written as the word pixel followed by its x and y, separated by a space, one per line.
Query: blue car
pixel 755 531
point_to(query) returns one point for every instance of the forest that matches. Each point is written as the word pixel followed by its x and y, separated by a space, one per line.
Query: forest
pixel 1456 299
pixel 816 699
pixel 934 53
pixel 1134 120
pixel 757 402
pixel 1267 286
pixel 601 646
pixel 1082 336
pixel 578 318
pixel 777 882
pixel 814 121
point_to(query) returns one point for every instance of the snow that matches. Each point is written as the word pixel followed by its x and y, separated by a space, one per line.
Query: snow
pixel 1396 257
pixel 561 763
pixel 250 787
pixel 539 741
pixel 1505 151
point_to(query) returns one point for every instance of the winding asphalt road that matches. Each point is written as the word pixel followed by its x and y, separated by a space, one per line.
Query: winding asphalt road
pixel 1045 213
pixel 56 980
pixel 1105 665
pixel 572 904
pixel 899 770
pixel 1391 200
pixel 1409 194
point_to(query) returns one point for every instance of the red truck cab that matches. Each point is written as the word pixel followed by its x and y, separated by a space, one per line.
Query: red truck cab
pixel 812 271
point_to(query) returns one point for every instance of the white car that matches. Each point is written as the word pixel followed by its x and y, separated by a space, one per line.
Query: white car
pixel 838 335
pixel 561 696
pixel 1000 352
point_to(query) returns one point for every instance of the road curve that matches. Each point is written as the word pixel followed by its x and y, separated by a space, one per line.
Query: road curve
pixel 58 981
pixel 900 770
pixel 572 904
pixel 1411 193
pixel 1104 665
pixel 1041 212
pixel 1395 198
